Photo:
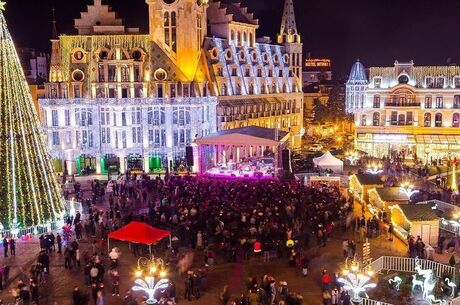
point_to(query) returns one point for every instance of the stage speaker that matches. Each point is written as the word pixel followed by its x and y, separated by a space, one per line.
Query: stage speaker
pixel 189 155
pixel 286 159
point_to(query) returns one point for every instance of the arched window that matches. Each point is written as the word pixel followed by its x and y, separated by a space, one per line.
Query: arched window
pixel 170 30
pixel 376 119
pixel 456 104
pixel 251 89
pixel 456 120
pixel 427 120
pixel 438 120
pixel 238 89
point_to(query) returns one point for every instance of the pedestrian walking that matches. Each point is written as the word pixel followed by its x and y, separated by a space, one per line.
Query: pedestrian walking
pixel 12 245
pixel 5 246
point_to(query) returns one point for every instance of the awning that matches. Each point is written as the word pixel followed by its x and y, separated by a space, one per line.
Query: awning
pixel 139 232
pixel 438 139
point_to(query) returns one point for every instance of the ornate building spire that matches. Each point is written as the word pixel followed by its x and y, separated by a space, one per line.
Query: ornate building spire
pixel 54 33
pixel 288 32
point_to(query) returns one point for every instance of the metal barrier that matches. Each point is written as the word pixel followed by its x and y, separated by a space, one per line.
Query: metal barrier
pixel 447 226
pixel 372 302
pixel 405 264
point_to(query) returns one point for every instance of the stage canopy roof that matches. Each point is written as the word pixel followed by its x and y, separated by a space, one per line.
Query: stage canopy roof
pixel 251 135
pixel 139 232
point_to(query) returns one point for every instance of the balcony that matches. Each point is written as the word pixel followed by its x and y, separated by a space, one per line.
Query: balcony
pixel 401 104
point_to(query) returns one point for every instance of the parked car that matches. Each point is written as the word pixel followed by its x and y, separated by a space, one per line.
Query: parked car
pixel 316 147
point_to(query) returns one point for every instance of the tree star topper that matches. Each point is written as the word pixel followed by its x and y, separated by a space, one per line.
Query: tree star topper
pixel 2 5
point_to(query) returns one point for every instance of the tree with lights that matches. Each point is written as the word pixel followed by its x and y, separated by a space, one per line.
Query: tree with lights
pixel 29 192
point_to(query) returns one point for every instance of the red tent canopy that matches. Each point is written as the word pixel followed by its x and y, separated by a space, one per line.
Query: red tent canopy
pixel 139 232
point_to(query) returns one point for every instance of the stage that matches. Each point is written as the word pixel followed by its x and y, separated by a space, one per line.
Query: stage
pixel 248 152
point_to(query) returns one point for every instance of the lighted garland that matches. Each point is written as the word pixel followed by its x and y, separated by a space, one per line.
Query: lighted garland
pixel 29 192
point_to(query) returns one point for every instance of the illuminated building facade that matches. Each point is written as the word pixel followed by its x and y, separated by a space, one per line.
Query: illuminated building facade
pixel 406 109
pixel 143 98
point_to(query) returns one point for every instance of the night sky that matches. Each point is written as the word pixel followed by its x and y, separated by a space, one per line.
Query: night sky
pixel 376 31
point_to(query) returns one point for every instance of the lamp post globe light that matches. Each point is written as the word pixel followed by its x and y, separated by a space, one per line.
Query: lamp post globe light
pixel 146 273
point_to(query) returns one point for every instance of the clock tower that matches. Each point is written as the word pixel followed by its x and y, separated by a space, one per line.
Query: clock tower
pixel 179 28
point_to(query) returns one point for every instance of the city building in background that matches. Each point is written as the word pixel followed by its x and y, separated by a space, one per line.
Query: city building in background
pixel 406 109
pixel 316 70
pixel 138 100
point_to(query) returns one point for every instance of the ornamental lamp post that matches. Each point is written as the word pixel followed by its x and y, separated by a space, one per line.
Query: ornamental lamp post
pixel 375 168
pixel 408 189
pixel 153 267
pixel 352 156
pixel 356 279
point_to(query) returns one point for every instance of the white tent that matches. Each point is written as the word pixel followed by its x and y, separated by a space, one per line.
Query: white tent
pixel 328 161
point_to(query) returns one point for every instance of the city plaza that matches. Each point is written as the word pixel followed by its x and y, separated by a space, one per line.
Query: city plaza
pixel 157 170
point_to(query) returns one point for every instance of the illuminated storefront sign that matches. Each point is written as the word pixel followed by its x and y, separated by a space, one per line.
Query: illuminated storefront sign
pixel 390 138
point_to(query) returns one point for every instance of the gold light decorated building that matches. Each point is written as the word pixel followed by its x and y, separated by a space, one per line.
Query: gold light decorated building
pixel 406 109
pixel 114 93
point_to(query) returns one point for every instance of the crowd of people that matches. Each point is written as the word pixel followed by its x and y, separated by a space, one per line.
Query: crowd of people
pixel 218 220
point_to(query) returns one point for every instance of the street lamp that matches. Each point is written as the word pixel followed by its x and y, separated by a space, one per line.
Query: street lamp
pixel 375 169
pixel 352 156
pixel 356 279
pixel 153 267
pixel 408 189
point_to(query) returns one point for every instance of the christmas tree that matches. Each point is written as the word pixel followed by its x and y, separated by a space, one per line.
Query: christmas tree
pixel 29 192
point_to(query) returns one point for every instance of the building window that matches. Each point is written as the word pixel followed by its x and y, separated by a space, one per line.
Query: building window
pixel 427 120
pixel 112 73
pixel 439 82
pixel 105 135
pixel 105 116
pixel 123 118
pixel 220 72
pixel 439 102
pixel 363 120
pixel 409 118
pixel 56 140
pixel 83 117
pixel 377 82
pixel 429 83
pixel 137 135
pixel 455 120
pixel 124 73
pixel 54 118
pixel 377 101
pixel 67 117
pixel 438 120
pixel 394 118
pixel 234 72
pixel 457 82
pixel 170 30
pixel 456 104
pixel 401 120
pixel 136 116
pixel 376 119
pixel 223 89
pixel 156 117
pixel 181 116
pixel 101 73
pixel 428 102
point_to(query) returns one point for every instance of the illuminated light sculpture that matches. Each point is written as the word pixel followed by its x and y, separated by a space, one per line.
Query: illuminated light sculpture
pixel 153 267
pixel 29 192
pixel 352 157
pixel 356 281
pixel 374 169
pixel 429 282
pixel 452 286
pixel 149 287
pixel 408 189
pixel 396 281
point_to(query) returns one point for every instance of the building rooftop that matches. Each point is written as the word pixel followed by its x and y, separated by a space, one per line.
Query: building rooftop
pixel 391 194
pixel 418 212
pixel 369 179
pixel 254 131
pixel 357 73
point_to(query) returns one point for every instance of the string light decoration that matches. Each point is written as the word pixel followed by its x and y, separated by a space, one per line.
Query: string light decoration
pixel 408 189
pixel 356 279
pixel 29 192
pixel 375 169
pixel 153 267
pixel 352 157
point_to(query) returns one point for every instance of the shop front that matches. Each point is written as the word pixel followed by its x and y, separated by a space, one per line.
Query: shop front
pixel 110 164
pixel 134 163
pixel 156 164
pixel 384 145
pixel 86 165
